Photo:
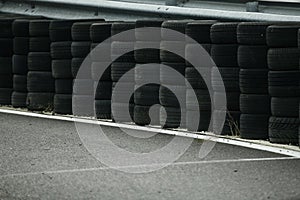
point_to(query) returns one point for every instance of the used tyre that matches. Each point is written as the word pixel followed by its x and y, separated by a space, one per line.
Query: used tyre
pixel 40 82
pixel 254 126
pixel 40 101
pixel 284 130
pixel 63 103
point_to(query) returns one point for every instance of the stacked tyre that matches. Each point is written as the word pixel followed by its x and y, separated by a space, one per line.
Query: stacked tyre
pixel 83 85
pixel 284 76
pixel 122 71
pixel 40 83
pixel 101 69
pixel 146 96
pixel 172 92
pixel 254 100
pixel 200 32
pixel 61 38
pixel 20 29
pixel 224 53
pixel 6 52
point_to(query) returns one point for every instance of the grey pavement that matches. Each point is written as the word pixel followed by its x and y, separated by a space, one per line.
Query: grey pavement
pixel 45 159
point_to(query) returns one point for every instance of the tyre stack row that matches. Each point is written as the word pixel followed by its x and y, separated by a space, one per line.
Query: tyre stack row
pixel 254 100
pixel 200 32
pixel 122 71
pixel 284 76
pixel 147 70
pixel 40 83
pixel 61 38
pixel 6 52
pixel 20 30
pixel 101 69
pixel 83 85
pixel 224 53
pixel 172 92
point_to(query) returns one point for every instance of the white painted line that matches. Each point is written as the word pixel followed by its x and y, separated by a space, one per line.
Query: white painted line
pixel 202 136
pixel 152 165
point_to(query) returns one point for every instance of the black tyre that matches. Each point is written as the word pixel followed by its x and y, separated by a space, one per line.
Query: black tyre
pixel 121 95
pixel 6 81
pixel 20 27
pixel 6 28
pixel 40 82
pixel 122 112
pixel 61 69
pixel 61 50
pixel 119 27
pixel 142 115
pixel 145 35
pixel 83 105
pixel 40 101
pixel 21 45
pixel 250 57
pixel 146 95
pixel 169 99
pixel 230 79
pixel 203 125
pixel 283 58
pixel 253 33
pixel 81 30
pixel 103 90
pixel 224 55
pixel 168 56
pixel 97 71
pixel 6 65
pixel 284 130
pixel 285 107
pixel 60 30
pixel 39 61
pixel 176 25
pixel 168 78
pixel 64 86
pixel 19 64
pixel 100 31
pixel 231 125
pixel 200 30
pixel 5 96
pixel 118 69
pixel 20 83
pixel 6 49
pixel 233 101
pixel 284 83
pixel 254 81
pixel 39 27
pixel 224 33
pixel 203 100
pixel 80 49
pixel 147 55
pixel 282 35
pixel 171 117
pixel 63 103
pixel 39 44
pixel 75 66
pixel 255 104
pixel 195 79
pixel 103 109
pixel 143 73
pixel 253 126
pixel 83 87
pixel 18 99
pixel 119 49
pixel 203 59
pixel 101 53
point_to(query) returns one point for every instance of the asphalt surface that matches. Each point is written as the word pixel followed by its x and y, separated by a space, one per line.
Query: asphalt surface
pixel 45 159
